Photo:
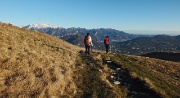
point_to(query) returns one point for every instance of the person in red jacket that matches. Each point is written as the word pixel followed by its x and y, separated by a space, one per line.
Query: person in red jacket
pixel 106 43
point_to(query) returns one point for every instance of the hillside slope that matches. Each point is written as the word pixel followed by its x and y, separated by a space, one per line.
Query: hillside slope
pixel 33 64
pixel 161 76
pixel 36 65
pixel 122 76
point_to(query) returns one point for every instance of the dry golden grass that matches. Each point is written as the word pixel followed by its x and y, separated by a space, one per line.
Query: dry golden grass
pixel 160 75
pixel 33 64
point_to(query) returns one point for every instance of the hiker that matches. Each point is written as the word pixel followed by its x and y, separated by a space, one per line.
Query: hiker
pixel 88 42
pixel 106 43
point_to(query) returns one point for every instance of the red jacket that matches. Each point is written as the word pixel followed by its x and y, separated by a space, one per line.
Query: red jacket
pixel 106 41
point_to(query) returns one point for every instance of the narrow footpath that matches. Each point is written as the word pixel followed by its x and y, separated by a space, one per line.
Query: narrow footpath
pixel 91 85
pixel 136 87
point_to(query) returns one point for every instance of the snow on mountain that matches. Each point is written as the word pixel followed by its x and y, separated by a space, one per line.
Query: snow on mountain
pixel 42 25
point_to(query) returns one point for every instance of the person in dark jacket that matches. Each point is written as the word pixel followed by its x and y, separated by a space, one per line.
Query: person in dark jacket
pixel 106 43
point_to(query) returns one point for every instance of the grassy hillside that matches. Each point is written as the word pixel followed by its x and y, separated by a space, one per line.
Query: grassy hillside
pixel 161 76
pixel 138 77
pixel 33 64
pixel 36 65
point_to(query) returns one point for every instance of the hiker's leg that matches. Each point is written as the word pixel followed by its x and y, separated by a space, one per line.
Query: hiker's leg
pixel 88 49
pixel 106 48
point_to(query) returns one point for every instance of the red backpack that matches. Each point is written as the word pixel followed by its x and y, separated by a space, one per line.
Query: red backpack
pixel 106 41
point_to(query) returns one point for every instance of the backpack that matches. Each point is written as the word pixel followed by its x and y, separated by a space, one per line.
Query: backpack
pixel 88 42
pixel 106 41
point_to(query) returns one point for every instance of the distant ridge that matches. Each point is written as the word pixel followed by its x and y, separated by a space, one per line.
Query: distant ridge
pixel 169 56
pixel 42 25
pixel 76 35
pixel 144 45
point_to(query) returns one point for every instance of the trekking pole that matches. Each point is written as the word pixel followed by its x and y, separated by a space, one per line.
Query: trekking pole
pixel 110 48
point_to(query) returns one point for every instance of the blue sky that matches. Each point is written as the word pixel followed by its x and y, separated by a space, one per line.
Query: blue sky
pixel 133 16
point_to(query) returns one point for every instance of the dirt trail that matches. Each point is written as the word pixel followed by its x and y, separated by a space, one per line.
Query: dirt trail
pixel 136 87
pixel 89 82
pixel 92 86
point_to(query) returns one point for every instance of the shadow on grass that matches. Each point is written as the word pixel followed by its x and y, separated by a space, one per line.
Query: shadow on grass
pixel 136 87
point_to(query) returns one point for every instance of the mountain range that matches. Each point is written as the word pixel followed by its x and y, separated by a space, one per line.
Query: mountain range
pixel 96 34
pixel 76 35
pixel 143 45
pixel 121 42
pixel 42 25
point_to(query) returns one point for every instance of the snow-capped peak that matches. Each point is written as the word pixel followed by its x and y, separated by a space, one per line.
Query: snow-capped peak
pixel 42 25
